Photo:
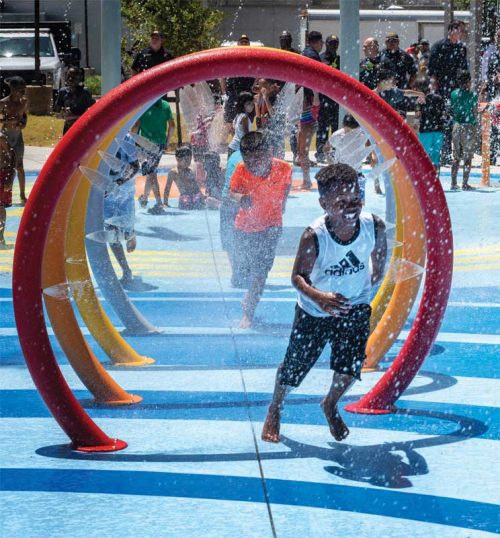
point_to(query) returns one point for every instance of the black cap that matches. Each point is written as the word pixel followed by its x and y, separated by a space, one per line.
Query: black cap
pixel 424 42
pixel 285 34
pixel 332 39
pixel 157 33
pixel 391 35
pixel 244 37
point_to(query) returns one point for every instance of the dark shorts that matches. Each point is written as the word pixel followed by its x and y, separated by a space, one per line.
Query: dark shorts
pixel 6 179
pixel 254 252
pixel 347 336
pixel 16 140
pixel 151 165
pixel 228 212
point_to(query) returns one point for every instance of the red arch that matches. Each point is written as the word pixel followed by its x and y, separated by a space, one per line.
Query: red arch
pixel 239 61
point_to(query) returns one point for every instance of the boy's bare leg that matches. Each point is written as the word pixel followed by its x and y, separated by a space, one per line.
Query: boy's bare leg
pixel 271 429
pixel 119 252
pixel 154 186
pixel 340 385
pixel 3 220
pixel 465 180
pixel 304 143
pixel 251 301
pixel 21 177
pixel 454 173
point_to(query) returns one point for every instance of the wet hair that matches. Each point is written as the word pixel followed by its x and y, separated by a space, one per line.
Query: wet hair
pixel 463 78
pixel 336 178
pixel 243 99
pixel 385 74
pixel 314 36
pixel 422 84
pixel 253 141
pixel 183 151
pixel 211 159
pixel 455 25
pixel 15 83
pixel 350 121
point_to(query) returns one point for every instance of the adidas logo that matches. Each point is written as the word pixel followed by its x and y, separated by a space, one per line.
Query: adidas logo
pixel 347 266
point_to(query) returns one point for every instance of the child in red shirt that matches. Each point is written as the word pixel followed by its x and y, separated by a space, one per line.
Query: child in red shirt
pixel 260 184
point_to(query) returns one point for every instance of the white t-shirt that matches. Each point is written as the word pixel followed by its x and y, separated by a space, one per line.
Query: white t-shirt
pixel 341 266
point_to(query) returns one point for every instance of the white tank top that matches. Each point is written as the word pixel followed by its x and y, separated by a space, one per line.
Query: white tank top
pixel 238 131
pixel 341 267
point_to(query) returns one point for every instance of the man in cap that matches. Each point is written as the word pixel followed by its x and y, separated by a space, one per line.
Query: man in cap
pixel 398 61
pixel 286 41
pixel 152 55
pixel 328 109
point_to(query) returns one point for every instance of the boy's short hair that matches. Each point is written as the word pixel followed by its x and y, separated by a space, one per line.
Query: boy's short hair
pixel 463 77
pixel 15 82
pixel 211 158
pixel 350 121
pixel 183 151
pixel 253 141
pixel 422 84
pixel 455 25
pixel 385 74
pixel 314 36
pixel 336 177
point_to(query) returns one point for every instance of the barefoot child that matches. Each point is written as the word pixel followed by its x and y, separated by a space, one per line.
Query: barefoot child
pixel 7 171
pixel 260 185
pixel 13 110
pixel 332 276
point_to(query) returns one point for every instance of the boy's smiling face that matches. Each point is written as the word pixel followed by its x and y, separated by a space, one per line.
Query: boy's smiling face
pixel 343 205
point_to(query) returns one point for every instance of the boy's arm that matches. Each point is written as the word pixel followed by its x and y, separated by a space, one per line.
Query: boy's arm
pixel 331 303
pixel 170 130
pixel 379 253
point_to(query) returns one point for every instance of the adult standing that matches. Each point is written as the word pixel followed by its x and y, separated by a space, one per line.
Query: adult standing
pixel 369 64
pixel 328 108
pixel 399 62
pixel 310 110
pixel 491 92
pixel 152 55
pixel 286 44
pixel 286 41
pixel 233 86
pixel 448 57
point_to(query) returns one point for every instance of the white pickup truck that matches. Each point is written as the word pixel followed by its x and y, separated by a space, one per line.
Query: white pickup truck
pixel 17 56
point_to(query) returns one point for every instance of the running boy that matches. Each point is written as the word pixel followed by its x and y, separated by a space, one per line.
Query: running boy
pixel 464 108
pixel 13 117
pixel 190 196
pixel 120 203
pixel 332 276
pixel 260 185
pixel 7 171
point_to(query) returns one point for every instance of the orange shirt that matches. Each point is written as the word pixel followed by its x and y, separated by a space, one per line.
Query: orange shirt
pixel 267 195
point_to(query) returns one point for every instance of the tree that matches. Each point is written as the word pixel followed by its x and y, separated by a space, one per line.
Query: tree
pixel 187 25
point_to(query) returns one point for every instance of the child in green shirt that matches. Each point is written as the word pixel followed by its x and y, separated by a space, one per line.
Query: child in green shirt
pixel 153 126
pixel 464 107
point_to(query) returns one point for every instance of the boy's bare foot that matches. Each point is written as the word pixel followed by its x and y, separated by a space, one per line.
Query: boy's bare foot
pixel 271 429
pixel 245 322
pixel 338 428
